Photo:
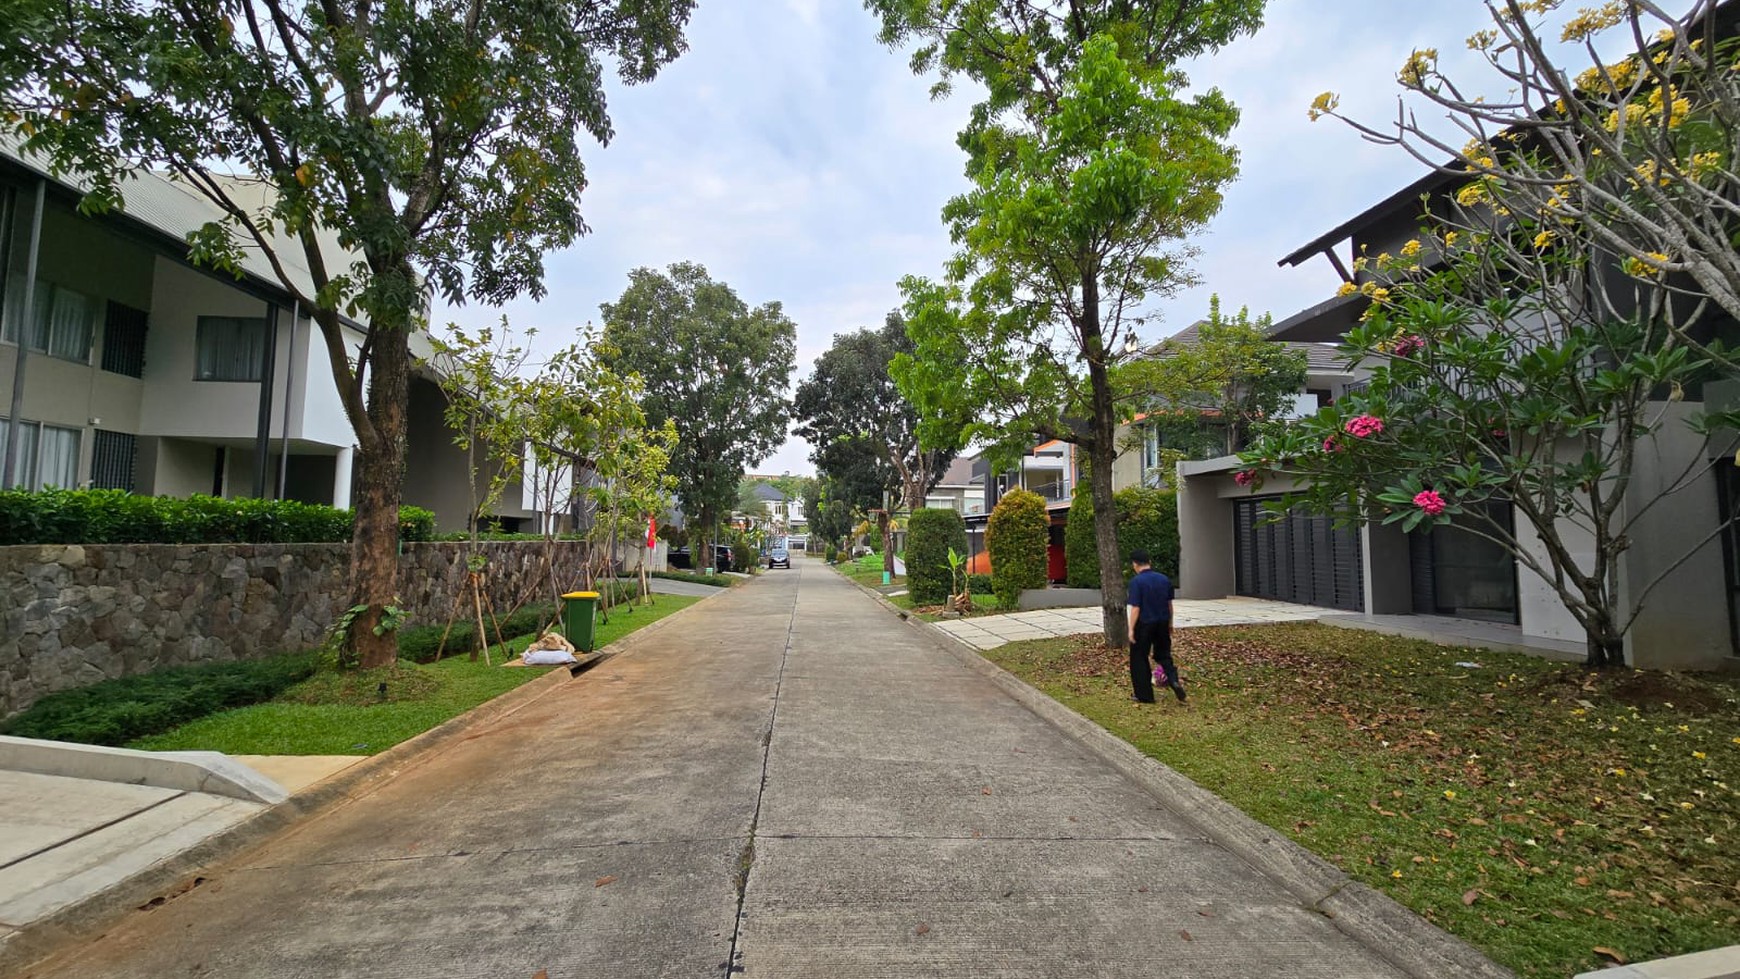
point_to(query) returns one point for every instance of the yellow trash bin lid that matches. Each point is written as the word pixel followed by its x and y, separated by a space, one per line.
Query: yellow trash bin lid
pixel 581 594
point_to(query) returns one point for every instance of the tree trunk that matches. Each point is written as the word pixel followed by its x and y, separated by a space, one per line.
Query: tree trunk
pixel 886 523
pixel 1605 650
pixel 1102 455
pixel 374 549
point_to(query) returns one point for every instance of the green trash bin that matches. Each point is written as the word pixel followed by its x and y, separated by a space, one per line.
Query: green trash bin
pixel 578 611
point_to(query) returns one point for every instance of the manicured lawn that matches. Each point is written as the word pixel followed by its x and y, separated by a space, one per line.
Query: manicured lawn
pixel 337 714
pixel 867 570
pixel 1536 810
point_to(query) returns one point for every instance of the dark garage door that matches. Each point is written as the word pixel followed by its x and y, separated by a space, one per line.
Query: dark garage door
pixel 1299 558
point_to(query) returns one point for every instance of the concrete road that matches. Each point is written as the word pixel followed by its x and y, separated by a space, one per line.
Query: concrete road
pixel 788 782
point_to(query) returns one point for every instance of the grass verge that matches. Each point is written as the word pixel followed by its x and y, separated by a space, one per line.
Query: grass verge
pixel 344 714
pixel 695 577
pixel 867 570
pixel 1558 820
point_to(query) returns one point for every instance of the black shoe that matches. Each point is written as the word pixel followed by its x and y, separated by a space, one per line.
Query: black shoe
pixel 1178 689
pixel 1139 700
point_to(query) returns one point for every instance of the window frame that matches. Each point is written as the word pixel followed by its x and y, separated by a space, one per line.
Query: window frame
pixel 34 465
pixel 259 367
pixel 48 290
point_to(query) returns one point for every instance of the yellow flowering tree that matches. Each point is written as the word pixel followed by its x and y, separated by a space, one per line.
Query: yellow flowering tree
pixel 1634 145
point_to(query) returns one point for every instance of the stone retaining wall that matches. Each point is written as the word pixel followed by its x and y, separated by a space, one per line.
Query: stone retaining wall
pixel 72 615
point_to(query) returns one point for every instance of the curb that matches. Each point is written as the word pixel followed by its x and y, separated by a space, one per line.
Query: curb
pixel 87 919
pixel 1396 934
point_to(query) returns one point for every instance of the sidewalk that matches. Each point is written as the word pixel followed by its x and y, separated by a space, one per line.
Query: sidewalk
pixel 991 631
pixel 795 783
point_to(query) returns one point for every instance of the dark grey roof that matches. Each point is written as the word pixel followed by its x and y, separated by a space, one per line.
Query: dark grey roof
pixel 768 492
pixel 959 472
pixel 1320 358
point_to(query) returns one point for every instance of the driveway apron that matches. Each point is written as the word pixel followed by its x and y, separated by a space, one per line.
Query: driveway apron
pixel 787 781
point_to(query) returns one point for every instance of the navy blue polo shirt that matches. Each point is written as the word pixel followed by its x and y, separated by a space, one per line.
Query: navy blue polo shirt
pixel 1151 592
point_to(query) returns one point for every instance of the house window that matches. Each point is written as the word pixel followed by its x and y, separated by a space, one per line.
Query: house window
pixel 48 455
pixel 63 322
pixel 231 348
pixel 112 456
pixel 941 503
pixel 124 340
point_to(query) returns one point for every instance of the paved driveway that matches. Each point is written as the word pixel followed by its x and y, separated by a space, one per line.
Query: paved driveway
pixel 991 631
pixel 787 782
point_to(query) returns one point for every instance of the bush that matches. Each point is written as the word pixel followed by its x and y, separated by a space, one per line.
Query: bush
pixel 422 644
pixel 115 712
pixel 56 516
pixel 744 554
pixel 979 584
pixel 1081 555
pixel 1017 535
pixel 831 554
pixel 716 580
pixel 1147 518
pixel 930 535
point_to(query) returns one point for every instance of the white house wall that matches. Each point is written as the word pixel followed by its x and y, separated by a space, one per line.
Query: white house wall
pixel 175 403
pixel 1684 622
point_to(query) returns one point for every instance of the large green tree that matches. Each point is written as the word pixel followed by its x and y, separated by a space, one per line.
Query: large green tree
pixel 851 411
pixel 715 367
pixel 1090 169
pixel 439 140
pixel 1211 395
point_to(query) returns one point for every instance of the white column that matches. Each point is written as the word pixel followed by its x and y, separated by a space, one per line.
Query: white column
pixel 341 478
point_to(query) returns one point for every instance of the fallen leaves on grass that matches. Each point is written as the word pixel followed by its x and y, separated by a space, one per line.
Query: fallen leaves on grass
pixel 1369 749
pixel 600 882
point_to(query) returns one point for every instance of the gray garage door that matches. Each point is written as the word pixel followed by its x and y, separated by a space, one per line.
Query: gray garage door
pixel 1298 558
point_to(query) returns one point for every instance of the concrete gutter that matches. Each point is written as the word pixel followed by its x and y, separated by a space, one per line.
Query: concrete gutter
pixel 170 879
pixel 1717 963
pixel 1403 938
pixel 185 771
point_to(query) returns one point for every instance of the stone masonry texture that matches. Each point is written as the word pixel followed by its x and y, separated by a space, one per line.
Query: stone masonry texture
pixel 72 615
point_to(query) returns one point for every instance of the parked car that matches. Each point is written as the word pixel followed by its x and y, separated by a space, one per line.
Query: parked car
pixel 779 557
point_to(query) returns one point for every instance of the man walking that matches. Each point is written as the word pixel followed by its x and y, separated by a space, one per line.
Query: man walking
pixel 1150 615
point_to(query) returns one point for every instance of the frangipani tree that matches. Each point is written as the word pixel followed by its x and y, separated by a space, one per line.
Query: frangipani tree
pixel 1514 372
pixel 1622 117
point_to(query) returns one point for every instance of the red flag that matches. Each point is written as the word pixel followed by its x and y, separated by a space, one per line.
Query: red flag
pixel 652 532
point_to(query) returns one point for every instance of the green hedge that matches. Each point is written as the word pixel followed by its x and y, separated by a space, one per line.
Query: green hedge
pixel 115 712
pixel 118 517
pixel 1080 554
pixel 930 535
pixel 1017 535
pixel 980 584
pixel 1147 518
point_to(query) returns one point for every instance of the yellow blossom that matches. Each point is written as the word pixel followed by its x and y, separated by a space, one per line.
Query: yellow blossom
pixel 1411 249
pixel 1450 239
pixel 1481 40
pixel 1592 20
pixel 1543 239
pixel 1698 755
pixel 1419 64
pixel 1396 874
pixel 1323 105
pixel 1449 793
pixel 1346 289
pixel 1473 194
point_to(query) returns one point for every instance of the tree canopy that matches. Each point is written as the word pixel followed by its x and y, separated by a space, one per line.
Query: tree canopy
pixel 712 365
pixel 439 140
pixel 1090 170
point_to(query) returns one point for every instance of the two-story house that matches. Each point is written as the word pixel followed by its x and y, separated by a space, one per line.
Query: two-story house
pixel 1436 582
pixel 136 370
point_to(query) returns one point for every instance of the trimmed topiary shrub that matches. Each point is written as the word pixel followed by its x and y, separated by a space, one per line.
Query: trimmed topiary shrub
pixel 1017 535
pixel 1147 518
pixel 1080 554
pixel 930 534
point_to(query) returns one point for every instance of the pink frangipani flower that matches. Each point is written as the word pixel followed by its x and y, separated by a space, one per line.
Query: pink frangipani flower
pixel 1245 477
pixel 1365 426
pixel 1430 501
pixel 1409 345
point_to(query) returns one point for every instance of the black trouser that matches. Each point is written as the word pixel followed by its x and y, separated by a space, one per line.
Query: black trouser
pixel 1153 637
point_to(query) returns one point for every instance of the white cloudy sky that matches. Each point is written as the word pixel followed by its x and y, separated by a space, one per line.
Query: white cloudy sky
pixel 800 161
